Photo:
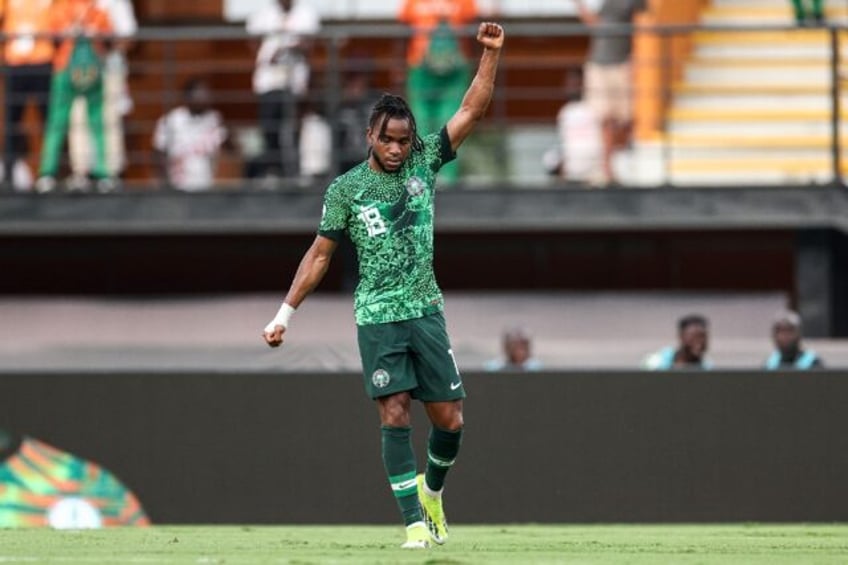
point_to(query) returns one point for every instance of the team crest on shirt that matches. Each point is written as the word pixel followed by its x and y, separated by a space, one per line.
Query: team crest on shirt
pixel 415 186
pixel 381 378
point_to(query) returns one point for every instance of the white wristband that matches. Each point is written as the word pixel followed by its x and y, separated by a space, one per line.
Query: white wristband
pixel 281 319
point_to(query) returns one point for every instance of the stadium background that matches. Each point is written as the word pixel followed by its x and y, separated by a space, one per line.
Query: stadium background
pixel 129 320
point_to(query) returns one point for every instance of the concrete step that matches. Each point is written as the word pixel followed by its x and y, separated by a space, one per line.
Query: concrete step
pixel 787 88
pixel 754 4
pixel 751 62
pixel 768 128
pixel 743 101
pixel 778 51
pixel 719 140
pixel 746 178
pixel 797 166
pixel 747 115
pixel 674 152
pixel 788 74
pixel 772 37
pixel 763 14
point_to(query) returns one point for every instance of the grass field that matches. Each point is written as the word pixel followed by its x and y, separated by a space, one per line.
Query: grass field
pixel 602 544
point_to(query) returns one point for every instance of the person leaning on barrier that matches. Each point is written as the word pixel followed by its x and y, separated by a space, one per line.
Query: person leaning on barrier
pixel 788 352
pixel 188 139
pixel 281 80
pixel 117 102
pixel 608 75
pixel 690 353
pixel 82 31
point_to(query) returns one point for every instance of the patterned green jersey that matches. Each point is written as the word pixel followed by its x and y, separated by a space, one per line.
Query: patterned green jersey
pixel 44 486
pixel 389 219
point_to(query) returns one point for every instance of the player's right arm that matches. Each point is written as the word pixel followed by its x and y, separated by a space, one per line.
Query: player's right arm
pixel 309 274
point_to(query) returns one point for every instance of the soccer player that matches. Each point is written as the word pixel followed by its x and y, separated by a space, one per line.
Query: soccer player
pixel 385 206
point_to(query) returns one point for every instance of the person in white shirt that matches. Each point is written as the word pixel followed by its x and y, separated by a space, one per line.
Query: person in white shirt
pixel 281 79
pixel 188 139
pixel 579 156
pixel 116 102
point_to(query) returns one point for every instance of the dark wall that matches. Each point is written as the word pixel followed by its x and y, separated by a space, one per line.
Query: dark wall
pixel 674 260
pixel 545 448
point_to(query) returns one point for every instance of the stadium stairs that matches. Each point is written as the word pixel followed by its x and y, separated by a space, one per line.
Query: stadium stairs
pixel 751 107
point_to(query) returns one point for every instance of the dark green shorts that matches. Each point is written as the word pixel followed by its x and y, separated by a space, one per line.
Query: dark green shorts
pixel 412 355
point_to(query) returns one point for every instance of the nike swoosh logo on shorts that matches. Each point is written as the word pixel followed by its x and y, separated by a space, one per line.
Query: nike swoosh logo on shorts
pixel 455 386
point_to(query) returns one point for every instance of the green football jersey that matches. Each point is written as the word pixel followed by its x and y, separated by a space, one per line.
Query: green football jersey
pixel 389 219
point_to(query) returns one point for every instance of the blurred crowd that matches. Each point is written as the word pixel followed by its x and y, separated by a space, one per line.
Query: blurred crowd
pixel 68 61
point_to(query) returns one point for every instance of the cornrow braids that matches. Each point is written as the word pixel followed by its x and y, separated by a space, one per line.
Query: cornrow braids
pixel 393 106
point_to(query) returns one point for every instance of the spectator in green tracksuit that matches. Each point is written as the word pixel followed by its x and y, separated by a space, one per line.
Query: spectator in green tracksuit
pixel 437 63
pixel 808 11
pixel 77 71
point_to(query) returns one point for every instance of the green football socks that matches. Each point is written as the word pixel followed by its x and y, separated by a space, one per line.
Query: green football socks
pixel 399 461
pixel 441 453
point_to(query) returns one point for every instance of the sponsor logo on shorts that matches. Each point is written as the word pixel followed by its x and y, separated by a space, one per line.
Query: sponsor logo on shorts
pixel 381 378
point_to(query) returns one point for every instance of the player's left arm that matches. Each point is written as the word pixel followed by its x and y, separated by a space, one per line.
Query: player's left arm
pixel 479 94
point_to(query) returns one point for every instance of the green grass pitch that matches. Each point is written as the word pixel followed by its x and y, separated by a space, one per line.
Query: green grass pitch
pixel 592 544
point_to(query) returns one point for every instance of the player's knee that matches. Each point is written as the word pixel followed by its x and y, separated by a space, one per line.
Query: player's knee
pixel 451 421
pixel 394 410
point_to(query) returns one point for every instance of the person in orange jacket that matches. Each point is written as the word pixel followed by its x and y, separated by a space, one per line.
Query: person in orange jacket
pixel 27 59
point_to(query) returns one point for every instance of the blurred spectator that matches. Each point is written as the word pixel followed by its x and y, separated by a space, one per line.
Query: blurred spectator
pixel 352 121
pixel 808 12
pixel 77 72
pixel 116 101
pixel 316 145
pixel 188 139
pixel 517 353
pixel 690 353
pixel 608 76
pixel 788 353
pixel 281 79
pixel 43 486
pixel 28 61
pixel 579 154
pixel 437 61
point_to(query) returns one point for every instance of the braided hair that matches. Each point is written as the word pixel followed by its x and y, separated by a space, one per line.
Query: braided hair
pixel 392 106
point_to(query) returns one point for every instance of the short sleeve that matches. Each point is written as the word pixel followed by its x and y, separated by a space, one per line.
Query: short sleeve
pixel 446 152
pixel 405 12
pixel 335 214
pixel 308 22
pixel 123 18
pixel 102 22
pixel 57 18
pixel 469 11
pixel 259 23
